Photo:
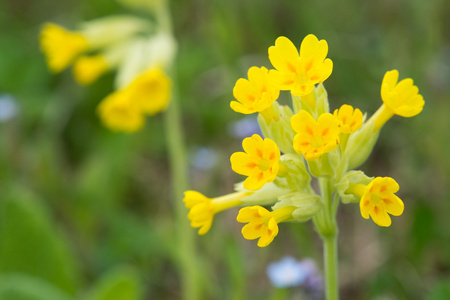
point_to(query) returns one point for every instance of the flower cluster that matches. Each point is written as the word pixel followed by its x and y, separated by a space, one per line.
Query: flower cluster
pixel 305 142
pixel 128 44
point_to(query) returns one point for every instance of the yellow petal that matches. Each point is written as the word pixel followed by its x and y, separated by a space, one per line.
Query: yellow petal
pixel 269 234
pixel 393 205
pixel 242 163
pixel 252 230
pixel 380 217
pixel 284 55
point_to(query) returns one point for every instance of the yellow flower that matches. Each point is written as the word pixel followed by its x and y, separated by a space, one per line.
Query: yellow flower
pixel 378 199
pixel 262 223
pixel 203 209
pixel 315 138
pixel 151 91
pixel 400 98
pixel 118 112
pixel 349 119
pixel 88 69
pixel 299 73
pixel 260 161
pixel 255 94
pixel 61 46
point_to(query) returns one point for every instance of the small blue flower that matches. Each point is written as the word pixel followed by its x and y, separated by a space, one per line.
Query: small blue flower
pixel 287 272
pixel 204 158
pixel 243 128
pixel 8 108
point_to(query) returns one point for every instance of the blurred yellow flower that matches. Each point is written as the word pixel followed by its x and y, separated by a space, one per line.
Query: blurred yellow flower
pixel 61 46
pixel 255 94
pixel 262 223
pixel 151 91
pixel 119 112
pixel 88 69
pixel 260 161
pixel 315 138
pixel 349 119
pixel 203 209
pixel 299 73
pixel 378 199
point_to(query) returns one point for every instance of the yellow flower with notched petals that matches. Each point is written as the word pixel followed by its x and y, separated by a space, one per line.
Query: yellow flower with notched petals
pixel 255 94
pixel 262 223
pixel 118 112
pixel 349 119
pixel 401 98
pixel 61 46
pixel 203 209
pixel 315 138
pixel 379 199
pixel 260 161
pixel 89 68
pixel 151 91
pixel 299 73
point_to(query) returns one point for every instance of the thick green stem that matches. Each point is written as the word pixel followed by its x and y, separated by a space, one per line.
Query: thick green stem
pixel 186 256
pixel 325 222
pixel 331 267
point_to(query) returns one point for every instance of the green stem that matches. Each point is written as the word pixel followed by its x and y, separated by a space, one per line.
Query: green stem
pixel 184 235
pixel 325 222
pixel 330 261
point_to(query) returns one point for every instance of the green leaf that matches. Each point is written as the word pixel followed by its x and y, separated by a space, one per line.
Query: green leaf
pixel 119 284
pixel 441 291
pixel 23 287
pixel 30 243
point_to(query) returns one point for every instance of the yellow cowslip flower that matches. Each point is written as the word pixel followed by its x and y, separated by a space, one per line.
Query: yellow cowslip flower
pixel 299 73
pixel 255 94
pixel 118 112
pixel 88 69
pixel 378 199
pixel 203 209
pixel 61 46
pixel 349 119
pixel 263 224
pixel 399 98
pixel 260 161
pixel 151 91
pixel 315 138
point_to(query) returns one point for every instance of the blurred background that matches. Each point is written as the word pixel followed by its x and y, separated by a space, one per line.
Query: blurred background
pixel 86 213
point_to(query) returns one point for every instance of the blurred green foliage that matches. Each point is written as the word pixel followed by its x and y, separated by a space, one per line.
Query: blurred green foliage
pixel 87 213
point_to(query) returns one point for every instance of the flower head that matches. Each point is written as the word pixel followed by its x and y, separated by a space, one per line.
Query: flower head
pixel 88 69
pixel 262 224
pixel 61 46
pixel 151 91
pixel 379 199
pixel 401 98
pixel 315 138
pixel 260 161
pixel 255 94
pixel 349 119
pixel 299 73
pixel 119 113
pixel 203 209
